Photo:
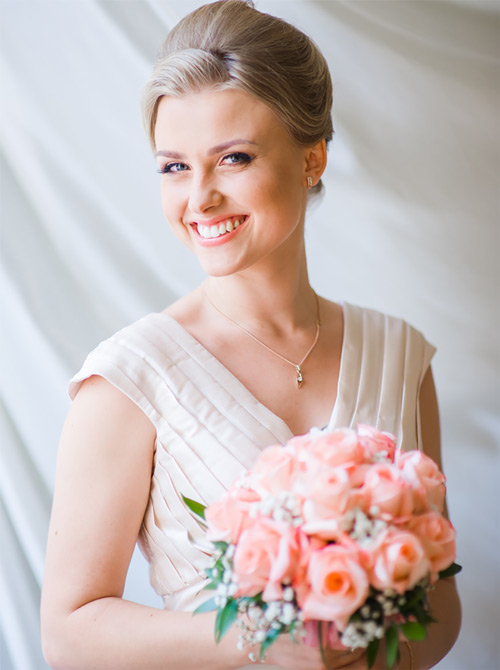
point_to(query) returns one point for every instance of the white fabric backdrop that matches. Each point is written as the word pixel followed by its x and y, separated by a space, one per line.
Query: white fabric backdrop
pixel 409 225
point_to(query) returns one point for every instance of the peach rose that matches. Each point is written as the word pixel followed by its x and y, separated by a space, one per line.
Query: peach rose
pixel 437 536
pixel 423 472
pixel 387 491
pixel 338 585
pixel 275 470
pixel 339 447
pixel 326 495
pixel 267 553
pixel 308 545
pixel 398 561
pixel 229 516
pixel 301 442
pixel 375 442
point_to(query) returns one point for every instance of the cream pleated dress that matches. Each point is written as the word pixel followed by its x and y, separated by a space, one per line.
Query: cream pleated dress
pixel 210 428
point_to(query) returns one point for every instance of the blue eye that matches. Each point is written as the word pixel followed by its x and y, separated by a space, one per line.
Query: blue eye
pixel 237 158
pixel 170 168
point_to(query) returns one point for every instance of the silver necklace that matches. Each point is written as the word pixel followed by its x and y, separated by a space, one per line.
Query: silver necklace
pixel 298 366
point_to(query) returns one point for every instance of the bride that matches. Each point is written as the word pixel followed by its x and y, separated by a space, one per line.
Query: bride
pixel 238 110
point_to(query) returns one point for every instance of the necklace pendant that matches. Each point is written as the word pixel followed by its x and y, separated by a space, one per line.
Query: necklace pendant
pixel 299 379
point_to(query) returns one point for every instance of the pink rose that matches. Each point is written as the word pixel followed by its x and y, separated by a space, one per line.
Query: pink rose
pixel 308 545
pixel 437 536
pixel 275 470
pixel 423 472
pixel 357 474
pixel 398 561
pixel 300 442
pixel 326 494
pixel 267 553
pixel 226 518
pixel 386 494
pixel 376 443
pixel 338 585
pixel 339 447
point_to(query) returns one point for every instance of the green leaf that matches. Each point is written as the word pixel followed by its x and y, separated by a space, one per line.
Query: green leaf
pixel 452 570
pixel 420 614
pixel 225 618
pixel 413 630
pixel 392 645
pixel 372 651
pixel 208 606
pixel 418 596
pixel 270 638
pixel 195 507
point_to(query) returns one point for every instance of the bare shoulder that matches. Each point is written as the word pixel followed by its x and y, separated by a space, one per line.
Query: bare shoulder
pixel 332 318
pixel 329 308
pixel 100 412
pixel 187 309
pixel 107 443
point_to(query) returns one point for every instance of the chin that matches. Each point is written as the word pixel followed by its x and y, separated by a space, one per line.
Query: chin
pixel 218 271
pixel 219 268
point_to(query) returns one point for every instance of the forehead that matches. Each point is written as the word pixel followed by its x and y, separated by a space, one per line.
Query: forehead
pixel 212 116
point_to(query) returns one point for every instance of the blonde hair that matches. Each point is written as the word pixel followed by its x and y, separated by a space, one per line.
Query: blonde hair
pixel 229 44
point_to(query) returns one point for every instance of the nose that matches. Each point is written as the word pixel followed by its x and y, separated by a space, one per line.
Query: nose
pixel 204 194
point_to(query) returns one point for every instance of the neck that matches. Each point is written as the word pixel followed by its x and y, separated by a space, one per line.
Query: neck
pixel 276 301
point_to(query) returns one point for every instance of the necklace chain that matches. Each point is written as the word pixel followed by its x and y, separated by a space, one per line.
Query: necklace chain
pixel 300 375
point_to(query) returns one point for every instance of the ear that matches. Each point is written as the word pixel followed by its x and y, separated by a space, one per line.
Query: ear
pixel 315 162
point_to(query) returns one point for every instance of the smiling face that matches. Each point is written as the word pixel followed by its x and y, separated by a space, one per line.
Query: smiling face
pixel 233 180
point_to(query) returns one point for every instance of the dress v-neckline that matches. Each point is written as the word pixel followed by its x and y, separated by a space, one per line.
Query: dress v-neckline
pixel 239 390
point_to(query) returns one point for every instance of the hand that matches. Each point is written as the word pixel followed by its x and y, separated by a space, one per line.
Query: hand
pixel 285 653
pixel 354 660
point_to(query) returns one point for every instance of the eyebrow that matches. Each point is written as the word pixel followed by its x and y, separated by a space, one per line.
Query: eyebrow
pixel 214 150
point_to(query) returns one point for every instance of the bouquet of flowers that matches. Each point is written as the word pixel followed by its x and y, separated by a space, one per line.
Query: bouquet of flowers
pixel 335 534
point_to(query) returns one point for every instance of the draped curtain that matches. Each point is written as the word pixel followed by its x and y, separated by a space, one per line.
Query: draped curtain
pixel 408 225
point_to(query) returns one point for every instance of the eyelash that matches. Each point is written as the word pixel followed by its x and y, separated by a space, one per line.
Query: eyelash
pixel 167 168
pixel 243 159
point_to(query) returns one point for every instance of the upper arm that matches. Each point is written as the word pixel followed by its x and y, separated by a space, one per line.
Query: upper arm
pixel 430 424
pixel 102 488
pixel 429 419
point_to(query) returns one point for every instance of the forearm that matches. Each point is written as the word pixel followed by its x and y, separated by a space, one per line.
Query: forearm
pixel 112 633
pixel 441 635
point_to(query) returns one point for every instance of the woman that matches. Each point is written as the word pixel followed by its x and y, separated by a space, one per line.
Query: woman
pixel 238 111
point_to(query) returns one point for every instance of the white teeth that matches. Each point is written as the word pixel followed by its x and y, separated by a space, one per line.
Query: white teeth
pixel 219 229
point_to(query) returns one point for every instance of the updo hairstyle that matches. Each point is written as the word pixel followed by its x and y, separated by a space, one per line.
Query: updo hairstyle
pixel 230 45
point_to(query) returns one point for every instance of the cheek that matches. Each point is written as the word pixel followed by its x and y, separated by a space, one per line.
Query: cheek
pixel 280 191
pixel 287 183
pixel 171 203
pixel 173 212
pixel 167 201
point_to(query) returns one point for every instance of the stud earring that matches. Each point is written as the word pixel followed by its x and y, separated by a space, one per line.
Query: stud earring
pixel 309 182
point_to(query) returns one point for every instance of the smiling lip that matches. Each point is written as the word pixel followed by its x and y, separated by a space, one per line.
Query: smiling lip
pixel 217 232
